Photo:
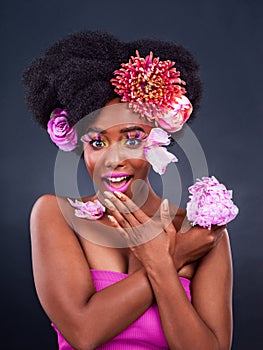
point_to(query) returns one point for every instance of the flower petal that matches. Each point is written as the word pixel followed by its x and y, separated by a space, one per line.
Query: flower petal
pixel 159 158
pixel 158 137
pixel 88 210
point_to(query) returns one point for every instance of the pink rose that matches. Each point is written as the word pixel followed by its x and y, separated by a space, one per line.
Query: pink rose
pixel 174 120
pixel 60 132
pixel 210 203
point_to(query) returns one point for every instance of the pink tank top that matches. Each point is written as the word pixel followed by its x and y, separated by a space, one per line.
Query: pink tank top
pixel 145 333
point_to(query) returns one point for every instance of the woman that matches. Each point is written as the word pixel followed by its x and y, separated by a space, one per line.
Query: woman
pixel 125 270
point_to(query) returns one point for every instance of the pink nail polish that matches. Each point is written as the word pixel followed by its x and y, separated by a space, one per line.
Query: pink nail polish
pixel 112 219
pixel 119 194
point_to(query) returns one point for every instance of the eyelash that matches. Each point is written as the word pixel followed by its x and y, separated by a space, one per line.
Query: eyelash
pixel 138 136
pixel 92 143
pixel 134 145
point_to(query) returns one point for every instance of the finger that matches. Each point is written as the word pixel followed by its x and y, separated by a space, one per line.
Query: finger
pixel 166 218
pixel 126 232
pixel 116 214
pixel 121 231
pixel 137 231
pixel 128 210
pixel 137 212
pixel 118 206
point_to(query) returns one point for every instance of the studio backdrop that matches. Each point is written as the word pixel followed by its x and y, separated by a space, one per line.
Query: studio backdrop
pixel 226 38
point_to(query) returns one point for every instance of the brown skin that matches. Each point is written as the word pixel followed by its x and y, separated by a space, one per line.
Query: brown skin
pixel 62 261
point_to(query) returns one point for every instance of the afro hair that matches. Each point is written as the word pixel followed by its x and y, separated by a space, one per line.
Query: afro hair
pixel 74 73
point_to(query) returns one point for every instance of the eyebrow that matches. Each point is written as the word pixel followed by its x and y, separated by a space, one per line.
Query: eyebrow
pixel 132 128
pixel 98 130
pixel 101 131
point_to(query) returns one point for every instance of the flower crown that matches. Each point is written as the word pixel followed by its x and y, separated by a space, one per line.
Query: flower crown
pixel 153 89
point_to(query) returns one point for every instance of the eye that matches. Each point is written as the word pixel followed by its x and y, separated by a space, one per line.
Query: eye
pixel 134 139
pixel 133 143
pixel 97 143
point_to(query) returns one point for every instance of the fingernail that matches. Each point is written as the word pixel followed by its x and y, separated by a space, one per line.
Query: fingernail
pixel 109 204
pixel 165 204
pixel 111 218
pixel 108 194
pixel 119 194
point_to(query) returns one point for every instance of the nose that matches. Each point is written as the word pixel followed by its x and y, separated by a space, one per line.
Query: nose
pixel 114 157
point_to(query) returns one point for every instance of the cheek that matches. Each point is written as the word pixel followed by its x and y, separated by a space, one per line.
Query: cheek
pixel 140 165
pixel 91 159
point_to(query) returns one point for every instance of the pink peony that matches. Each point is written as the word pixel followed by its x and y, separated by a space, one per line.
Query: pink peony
pixel 60 132
pixel 155 154
pixel 210 203
pixel 88 210
pixel 174 120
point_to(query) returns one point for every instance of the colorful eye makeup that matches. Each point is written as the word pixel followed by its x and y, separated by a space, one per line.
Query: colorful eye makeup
pixel 130 139
pixel 133 139
pixel 96 141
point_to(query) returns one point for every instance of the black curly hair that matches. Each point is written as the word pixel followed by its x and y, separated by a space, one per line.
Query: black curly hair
pixel 74 73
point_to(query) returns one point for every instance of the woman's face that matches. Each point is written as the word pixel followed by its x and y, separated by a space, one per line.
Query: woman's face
pixel 113 148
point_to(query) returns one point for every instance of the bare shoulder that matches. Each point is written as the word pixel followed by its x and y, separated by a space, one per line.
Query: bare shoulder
pixel 47 203
pixel 50 226
pixel 49 209
pixel 53 238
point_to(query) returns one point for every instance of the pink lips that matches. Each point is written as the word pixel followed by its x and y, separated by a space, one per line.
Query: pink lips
pixel 123 188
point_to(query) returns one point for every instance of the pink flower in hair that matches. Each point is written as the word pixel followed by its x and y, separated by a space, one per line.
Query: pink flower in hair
pixel 60 132
pixel 155 154
pixel 210 203
pixel 174 120
pixel 88 210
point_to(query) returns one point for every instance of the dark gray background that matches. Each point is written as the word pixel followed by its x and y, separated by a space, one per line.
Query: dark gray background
pixel 226 37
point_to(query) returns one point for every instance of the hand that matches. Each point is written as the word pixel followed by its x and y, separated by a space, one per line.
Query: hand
pixel 195 243
pixel 150 241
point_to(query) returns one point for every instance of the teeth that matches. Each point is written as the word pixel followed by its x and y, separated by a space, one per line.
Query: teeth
pixel 117 179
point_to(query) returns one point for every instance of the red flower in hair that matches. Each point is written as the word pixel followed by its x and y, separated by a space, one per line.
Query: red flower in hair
pixel 149 85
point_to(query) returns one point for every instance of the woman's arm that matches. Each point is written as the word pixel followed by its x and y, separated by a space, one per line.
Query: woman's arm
pixel 86 318
pixel 206 323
